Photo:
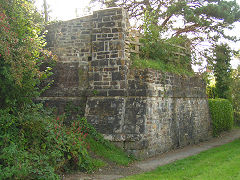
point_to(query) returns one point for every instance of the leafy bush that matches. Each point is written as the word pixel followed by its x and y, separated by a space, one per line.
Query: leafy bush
pixel 35 145
pixel 21 54
pixel 222 115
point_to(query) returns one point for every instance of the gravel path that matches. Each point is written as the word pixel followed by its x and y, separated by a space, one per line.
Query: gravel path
pixel 114 171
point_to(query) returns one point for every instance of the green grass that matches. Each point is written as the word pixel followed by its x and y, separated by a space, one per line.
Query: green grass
pixel 221 163
pixel 159 65
pixel 109 152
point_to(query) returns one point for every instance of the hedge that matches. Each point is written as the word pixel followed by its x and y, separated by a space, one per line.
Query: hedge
pixel 221 111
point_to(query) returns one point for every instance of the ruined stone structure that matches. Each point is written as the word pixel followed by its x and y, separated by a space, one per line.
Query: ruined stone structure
pixel 143 111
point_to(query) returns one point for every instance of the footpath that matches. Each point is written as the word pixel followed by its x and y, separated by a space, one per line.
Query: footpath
pixel 113 171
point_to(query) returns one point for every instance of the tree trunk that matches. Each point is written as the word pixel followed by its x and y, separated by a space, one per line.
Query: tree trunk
pixel 45 10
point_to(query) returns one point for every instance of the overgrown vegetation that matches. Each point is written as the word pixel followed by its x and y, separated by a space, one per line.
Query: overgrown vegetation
pixel 157 52
pixel 35 144
pixel 159 65
pixel 21 53
pixel 221 112
pixel 217 163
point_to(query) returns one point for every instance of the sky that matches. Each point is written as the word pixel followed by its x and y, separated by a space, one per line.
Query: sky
pixel 70 9
pixel 64 9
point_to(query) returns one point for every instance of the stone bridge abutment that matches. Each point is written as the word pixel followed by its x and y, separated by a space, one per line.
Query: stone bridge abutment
pixel 143 111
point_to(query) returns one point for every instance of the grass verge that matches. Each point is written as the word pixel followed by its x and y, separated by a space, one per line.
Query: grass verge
pixel 109 152
pixel 218 163
pixel 159 65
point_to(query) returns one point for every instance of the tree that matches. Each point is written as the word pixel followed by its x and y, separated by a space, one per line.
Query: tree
pixel 222 71
pixel 235 86
pixel 45 7
pixel 237 55
pixel 199 20
pixel 197 15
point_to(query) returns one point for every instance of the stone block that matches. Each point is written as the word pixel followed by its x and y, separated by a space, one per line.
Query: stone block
pixel 117 76
pixel 116 45
pixel 116 93
pixel 106 24
pixel 98 46
pixel 137 145
pixel 117 30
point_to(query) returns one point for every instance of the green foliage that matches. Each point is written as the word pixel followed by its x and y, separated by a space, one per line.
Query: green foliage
pixel 222 71
pixel 27 148
pixel 159 65
pixel 235 86
pixel 36 145
pixel 103 147
pixel 109 151
pixel 217 163
pixel 170 51
pixel 20 53
pixel 211 85
pixel 211 91
pixel 221 114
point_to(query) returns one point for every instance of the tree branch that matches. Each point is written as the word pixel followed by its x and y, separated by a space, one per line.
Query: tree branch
pixel 186 29
pixel 166 20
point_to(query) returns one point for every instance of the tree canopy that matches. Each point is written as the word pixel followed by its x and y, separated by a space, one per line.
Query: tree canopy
pixel 196 15
pixel 222 71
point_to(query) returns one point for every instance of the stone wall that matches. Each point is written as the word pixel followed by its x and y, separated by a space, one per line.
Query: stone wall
pixel 71 42
pixel 156 113
pixel 143 111
pixel 165 111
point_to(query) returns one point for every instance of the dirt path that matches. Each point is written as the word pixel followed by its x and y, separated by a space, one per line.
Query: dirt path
pixel 114 171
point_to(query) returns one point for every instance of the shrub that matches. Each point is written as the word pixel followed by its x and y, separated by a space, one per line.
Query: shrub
pixel 35 145
pixel 222 115
pixel 21 54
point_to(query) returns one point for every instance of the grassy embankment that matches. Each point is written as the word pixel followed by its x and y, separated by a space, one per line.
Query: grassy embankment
pixel 160 65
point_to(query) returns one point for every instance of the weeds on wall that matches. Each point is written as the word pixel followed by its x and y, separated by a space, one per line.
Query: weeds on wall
pixel 159 65
pixel 161 50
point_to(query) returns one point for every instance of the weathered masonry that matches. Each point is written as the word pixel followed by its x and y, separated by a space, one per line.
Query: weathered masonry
pixel 143 111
